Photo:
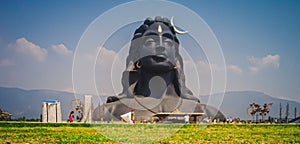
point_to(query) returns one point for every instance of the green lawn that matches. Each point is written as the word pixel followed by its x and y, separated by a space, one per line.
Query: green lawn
pixel 149 133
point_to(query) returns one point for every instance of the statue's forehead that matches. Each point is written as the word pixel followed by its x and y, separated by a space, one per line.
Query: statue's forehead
pixel 158 28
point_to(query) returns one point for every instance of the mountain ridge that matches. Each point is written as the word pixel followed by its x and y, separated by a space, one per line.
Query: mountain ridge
pixel 28 103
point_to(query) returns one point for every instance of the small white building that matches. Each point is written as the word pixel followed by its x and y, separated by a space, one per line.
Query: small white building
pixel 51 111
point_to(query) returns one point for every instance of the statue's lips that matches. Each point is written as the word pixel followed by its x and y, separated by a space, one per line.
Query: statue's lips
pixel 157 63
pixel 159 58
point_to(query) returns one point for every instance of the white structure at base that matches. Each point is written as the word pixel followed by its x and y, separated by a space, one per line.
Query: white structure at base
pixel 128 117
pixel 87 110
pixel 51 111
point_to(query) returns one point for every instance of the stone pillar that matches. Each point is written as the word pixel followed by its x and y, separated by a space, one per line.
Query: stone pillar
pixel 87 110
pixel 58 112
pixel 45 112
pixel 51 112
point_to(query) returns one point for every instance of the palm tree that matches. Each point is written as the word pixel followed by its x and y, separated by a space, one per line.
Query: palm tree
pixel 265 110
pixel 287 113
pixel 257 111
pixel 295 112
pixel 251 110
pixel 280 112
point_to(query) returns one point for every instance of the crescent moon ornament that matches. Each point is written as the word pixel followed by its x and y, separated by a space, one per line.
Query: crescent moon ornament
pixel 175 29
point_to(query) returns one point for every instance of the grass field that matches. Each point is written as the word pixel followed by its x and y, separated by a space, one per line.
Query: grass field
pixel 147 133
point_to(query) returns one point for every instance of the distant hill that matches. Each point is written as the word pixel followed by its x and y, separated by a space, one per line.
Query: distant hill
pixel 235 103
pixel 28 103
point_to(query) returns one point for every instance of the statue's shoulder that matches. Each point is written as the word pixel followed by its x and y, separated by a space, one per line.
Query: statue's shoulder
pixel 111 99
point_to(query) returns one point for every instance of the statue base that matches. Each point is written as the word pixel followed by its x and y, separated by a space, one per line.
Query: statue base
pixel 148 109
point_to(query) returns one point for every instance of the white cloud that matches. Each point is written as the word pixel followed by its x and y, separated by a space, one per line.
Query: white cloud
pixel 26 47
pixel 235 69
pixel 203 77
pixel 110 66
pixel 261 63
pixel 61 49
pixel 206 67
pixel 254 69
pixel 209 67
pixel 106 56
pixel 102 71
pixel 6 62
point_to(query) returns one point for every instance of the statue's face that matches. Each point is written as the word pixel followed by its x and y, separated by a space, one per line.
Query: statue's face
pixel 158 48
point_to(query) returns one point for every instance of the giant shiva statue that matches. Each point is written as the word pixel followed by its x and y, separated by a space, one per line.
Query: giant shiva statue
pixel 154 80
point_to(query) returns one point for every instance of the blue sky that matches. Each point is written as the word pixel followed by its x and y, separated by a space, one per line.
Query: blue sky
pixel 260 41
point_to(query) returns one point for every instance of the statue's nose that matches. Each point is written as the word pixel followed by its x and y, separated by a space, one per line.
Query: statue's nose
pixel 160 49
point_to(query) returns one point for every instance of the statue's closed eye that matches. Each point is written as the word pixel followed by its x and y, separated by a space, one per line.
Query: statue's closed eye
pixel 149 42
pixel 168 42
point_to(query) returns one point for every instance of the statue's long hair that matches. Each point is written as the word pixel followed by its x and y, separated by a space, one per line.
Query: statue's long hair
pixel 131 74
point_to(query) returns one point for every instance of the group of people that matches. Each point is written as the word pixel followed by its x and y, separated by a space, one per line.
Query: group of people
pixel 79 117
